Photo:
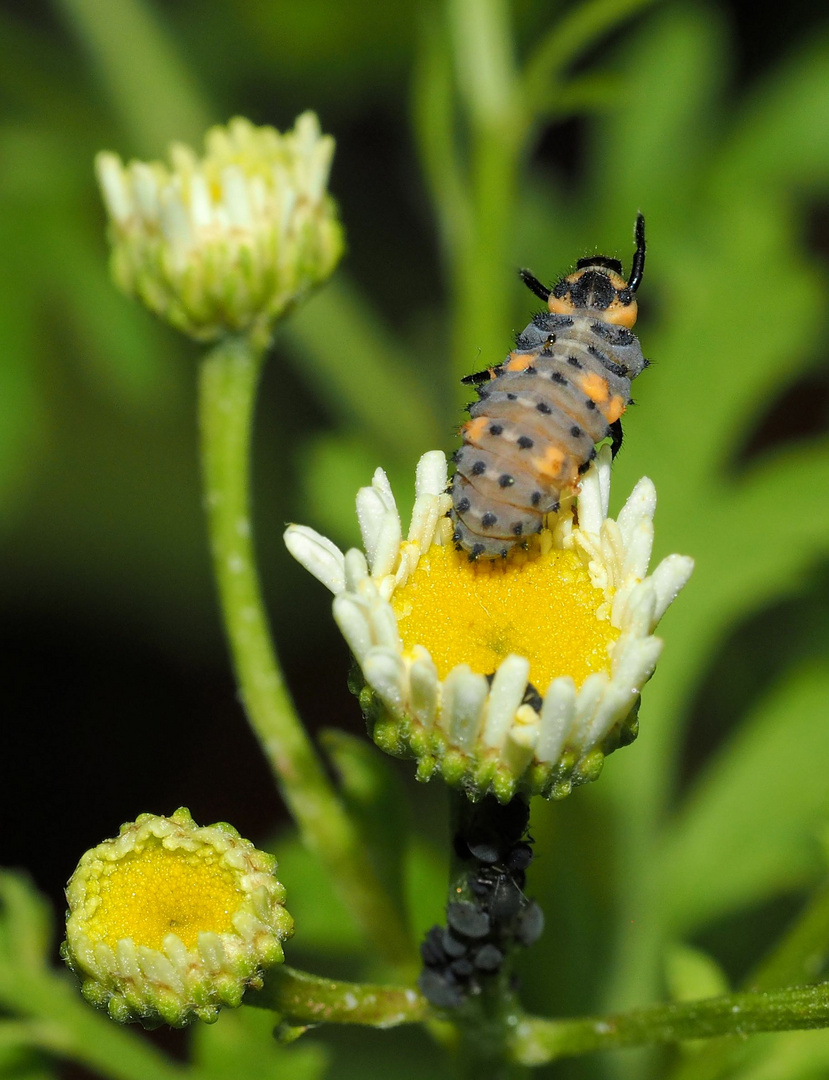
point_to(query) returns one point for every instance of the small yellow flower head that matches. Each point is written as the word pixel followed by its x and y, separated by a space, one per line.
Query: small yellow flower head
pixel 168 922
pixel 225 243
pixel 518 675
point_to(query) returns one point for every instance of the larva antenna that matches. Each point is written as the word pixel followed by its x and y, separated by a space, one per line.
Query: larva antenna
pixel 637 266
pixel 534 285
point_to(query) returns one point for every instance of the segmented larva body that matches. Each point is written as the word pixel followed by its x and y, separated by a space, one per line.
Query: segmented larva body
pixel 561 390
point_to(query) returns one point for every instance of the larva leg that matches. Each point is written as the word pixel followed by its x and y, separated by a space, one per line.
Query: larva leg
pixel 615 437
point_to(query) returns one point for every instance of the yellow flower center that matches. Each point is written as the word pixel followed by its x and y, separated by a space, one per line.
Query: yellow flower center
pixel 536 603
pixel 154 892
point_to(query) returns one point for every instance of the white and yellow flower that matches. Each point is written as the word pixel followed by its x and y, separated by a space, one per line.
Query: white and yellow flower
pixel 226 242
pixel 505 676
pixel 168 922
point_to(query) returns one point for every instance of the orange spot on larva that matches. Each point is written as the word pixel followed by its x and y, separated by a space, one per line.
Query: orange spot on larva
pixel 615 409
pixel 549 463
pixel 595 387
pixel 518 361
pixel 621 314
pixel 474 429
pixel 560 305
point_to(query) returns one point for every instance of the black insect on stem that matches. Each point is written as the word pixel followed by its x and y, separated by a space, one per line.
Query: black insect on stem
pixel 488 915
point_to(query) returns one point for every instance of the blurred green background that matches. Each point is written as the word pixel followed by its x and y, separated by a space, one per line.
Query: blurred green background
pixel 471 138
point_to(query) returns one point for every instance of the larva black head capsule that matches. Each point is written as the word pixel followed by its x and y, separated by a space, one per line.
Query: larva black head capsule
pixel 597 285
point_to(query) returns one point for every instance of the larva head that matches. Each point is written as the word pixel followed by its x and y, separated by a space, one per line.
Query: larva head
pixel 597 285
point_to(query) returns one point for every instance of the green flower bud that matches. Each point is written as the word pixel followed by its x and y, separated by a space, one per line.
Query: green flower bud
pixel 168 921
pixel 225 243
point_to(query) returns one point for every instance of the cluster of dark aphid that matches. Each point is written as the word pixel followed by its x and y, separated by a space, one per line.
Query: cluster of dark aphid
pixel 459 957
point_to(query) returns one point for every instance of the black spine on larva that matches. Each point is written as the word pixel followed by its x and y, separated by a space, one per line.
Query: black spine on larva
pixel 535 427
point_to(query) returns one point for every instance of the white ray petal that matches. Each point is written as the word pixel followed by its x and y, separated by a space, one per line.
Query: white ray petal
pixel 638 547
pixel 384 624
pixel 637 660
pixel 520 743
pixel 385 671
pixel 380 483
pixel 639 506
pixel 371 514
pixel 352 617
pixel 587 701
pixel 590 510
pixel 424 521
pixel 318 555
pixel 423 687
pixel 145 188
pixel 387 547
pixel 637 619
pixel 464 696
pixel 355 569
pixel 375 505
pixel 558 714
pixel 176 225
pixel 431 475
pixel 508 688
pixel 114 187
pixel 201 207
pixel 613 550
pixel 668 578
pixel 235 197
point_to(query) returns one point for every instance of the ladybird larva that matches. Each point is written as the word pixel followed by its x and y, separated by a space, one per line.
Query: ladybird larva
pixel 540 413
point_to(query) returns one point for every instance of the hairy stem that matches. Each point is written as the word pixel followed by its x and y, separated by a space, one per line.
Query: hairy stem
pixel 800 954
pixel 536 1041
pixel 228 383
pixel 309 999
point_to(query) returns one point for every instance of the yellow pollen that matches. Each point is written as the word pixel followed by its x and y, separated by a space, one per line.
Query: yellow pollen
pixel 149 894
pixel 537 604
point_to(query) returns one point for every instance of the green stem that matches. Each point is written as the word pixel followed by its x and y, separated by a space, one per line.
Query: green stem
pixel 486 1026
pixel 801 954
pixel 537 1041
pixel 227 394
pixel 481 263
pixel 308 999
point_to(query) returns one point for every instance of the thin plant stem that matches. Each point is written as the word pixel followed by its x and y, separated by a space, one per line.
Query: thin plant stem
pixel 309 999
pixel 227 394
pixel 481 272
pixel 536 1041
pixel 800 954
pixel 488 87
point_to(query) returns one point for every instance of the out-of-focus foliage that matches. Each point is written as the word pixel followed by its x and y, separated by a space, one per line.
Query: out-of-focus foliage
pixel 684 863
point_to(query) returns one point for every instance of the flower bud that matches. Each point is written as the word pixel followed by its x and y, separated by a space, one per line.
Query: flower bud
pixel 168 921
pixel 227 242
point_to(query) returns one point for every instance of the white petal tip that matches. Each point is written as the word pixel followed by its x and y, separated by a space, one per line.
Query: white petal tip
pixel 432 475
pixel 669 578
pixel 318 555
